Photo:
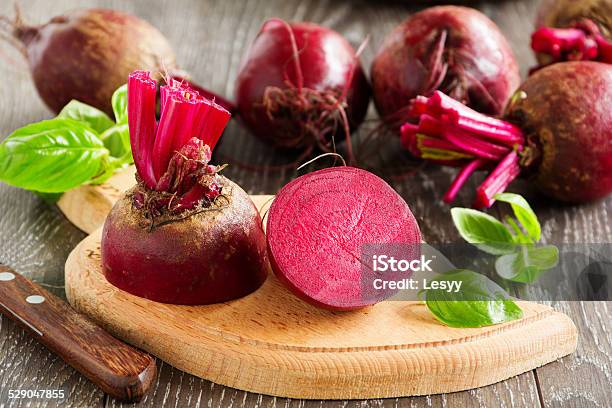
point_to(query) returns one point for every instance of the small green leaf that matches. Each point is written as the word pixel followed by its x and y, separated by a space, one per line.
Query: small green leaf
pixel 480 301
pixel 96 119
pixel 49 198
pixel 117 141
pixel 52 156
pixel 528 264
pixel 524 213
pixel 119 102
pixel 482 230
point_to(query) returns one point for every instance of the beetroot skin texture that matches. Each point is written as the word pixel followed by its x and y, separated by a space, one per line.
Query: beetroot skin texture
pixel 457 50
pixel 212 256
pixel 326 60
pixel 565 114
pixel 317 225
pixel 87 54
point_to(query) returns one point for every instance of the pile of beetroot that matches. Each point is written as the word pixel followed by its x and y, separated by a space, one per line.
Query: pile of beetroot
pixel 445 81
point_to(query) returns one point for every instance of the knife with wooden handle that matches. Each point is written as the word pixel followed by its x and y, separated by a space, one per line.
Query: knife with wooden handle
pixel 118 369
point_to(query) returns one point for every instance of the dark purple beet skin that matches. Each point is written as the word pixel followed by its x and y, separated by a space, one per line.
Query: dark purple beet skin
pixel 456 50
pixel 87 54
pixel 212 256
pixel 566 117
pixel 329 67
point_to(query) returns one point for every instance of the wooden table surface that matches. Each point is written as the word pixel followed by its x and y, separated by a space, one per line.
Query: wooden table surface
pixel 209 38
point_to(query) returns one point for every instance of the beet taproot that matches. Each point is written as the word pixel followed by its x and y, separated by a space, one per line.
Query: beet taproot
pixel 566 116
pixel 87 54
pixel 457 50
pixel 316 229
pixel 300 85
pixel 211 256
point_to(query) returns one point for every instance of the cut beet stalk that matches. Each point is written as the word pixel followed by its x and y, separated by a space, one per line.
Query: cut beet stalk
pixel 506 171
pixel 582 42
pixel 318 225
pixel 461 178
pixel 450 133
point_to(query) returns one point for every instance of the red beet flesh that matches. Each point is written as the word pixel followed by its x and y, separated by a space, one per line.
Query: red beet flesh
pixel 457 50
pixel 316 228
pixel 300 85
pixel 87 54
pixel 211 256
pixel 556 133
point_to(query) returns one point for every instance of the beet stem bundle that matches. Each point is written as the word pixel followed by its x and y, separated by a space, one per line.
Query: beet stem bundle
pixel 450 133
pixel 172 156
pixel 583 41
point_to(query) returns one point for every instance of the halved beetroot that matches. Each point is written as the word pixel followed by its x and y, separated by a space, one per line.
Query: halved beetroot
pixel 318 225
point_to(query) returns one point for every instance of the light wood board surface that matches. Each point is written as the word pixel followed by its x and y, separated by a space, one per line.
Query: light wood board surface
pixel 87 206
pixel 271 342
pixel 210 37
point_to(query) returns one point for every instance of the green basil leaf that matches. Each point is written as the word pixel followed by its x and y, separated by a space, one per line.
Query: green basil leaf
pixel 96 119
pixel 528 264
pixel 482 230
pixel 479 302
pixel 52 156
pixel 523 212
pixel 119 102
pixel 117 141
pixel 49 198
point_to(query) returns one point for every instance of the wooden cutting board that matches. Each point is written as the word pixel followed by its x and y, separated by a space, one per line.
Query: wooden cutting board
pixel 87 206
pixel 271 342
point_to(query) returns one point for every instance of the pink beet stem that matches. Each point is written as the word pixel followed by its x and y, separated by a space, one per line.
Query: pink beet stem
pixel 442 104
pixel 171 156
pixel 142 124
pixel 461 178
pixel 497 182
pixel 581 42
pixel 450 133
pixel 210 95
pixel 478 147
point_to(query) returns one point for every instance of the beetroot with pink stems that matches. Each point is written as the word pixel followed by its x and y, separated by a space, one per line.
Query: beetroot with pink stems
pixel 556 132
pixel 456 50
pixel 184 234
pixel 318 225
pixel 573 31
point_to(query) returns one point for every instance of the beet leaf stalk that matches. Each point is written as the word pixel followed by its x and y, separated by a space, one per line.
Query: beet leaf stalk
pixel 451 133
pixel 583 41
pixel 172 155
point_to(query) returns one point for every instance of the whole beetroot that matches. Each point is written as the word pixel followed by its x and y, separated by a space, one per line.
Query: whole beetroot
pixel 566 116
pixel 300 85
pixel 87 54
pixel 457 50
pixel 556 132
